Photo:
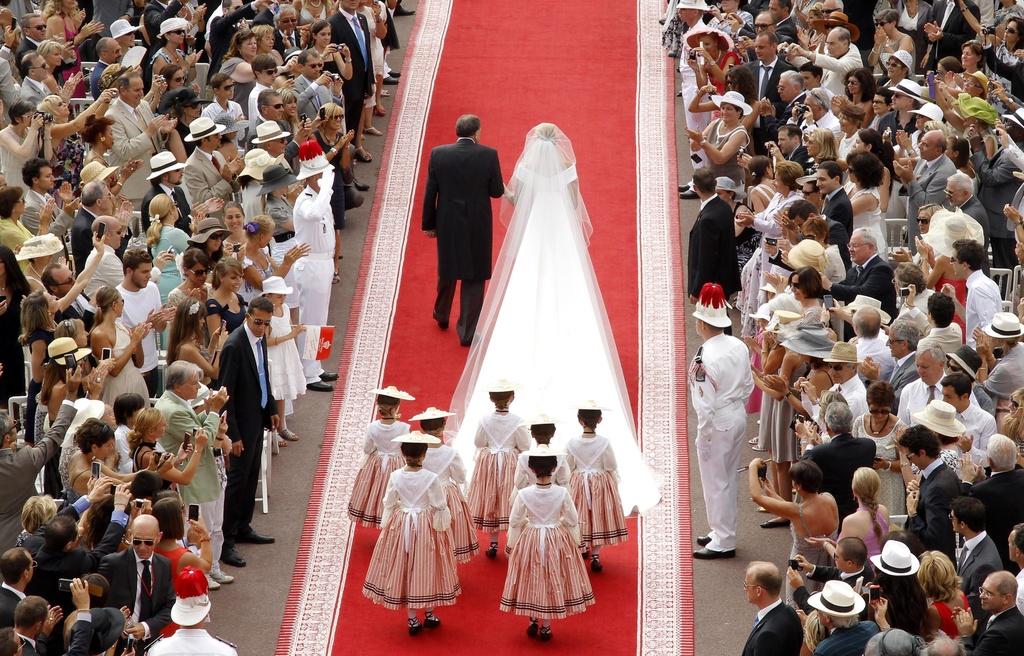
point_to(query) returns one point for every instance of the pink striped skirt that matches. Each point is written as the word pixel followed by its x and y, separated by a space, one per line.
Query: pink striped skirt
pixel 600 508
pixel 367 501
pixel 546 576
pixel 490 491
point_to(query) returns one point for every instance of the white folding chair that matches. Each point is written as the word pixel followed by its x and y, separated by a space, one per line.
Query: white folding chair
pixel 202 75
pixel 264 488
pixel 1015 285
pixel 78 105
pixel 1003 278
pixel 894 233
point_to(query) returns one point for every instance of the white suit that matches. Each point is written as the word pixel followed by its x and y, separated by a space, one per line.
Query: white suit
pixel 314 225
pixel 719 399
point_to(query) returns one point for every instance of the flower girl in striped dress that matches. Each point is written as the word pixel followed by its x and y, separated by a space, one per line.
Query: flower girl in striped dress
pixel 446 462
pixel 413 563
pixel 542 429
pixel 594 485
pixel 382 457
pixel 546 577
pixel 499 439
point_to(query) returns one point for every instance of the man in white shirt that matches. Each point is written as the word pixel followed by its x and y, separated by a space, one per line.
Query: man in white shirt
pixel 945 333
pixel 931 363
pixel 983 296
pixel 819 104
pixel 871 341
pixel 841 58
pixel 264 68
pixel 142 305
pixel 957 390
pixel 110 270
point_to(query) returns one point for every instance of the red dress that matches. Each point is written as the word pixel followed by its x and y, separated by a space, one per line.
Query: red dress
pixel 960 288
pixel 946 622
pixel 728 58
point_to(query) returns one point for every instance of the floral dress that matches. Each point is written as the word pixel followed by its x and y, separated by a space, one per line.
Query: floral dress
pixel 68 161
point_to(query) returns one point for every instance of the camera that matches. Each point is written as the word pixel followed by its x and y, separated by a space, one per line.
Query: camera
pixel 905 291
pixel 801 108
pixel 988 29
pixel 762 471
pixel 692 55
pixel 771 241
pixel 794 564
pixel 796 420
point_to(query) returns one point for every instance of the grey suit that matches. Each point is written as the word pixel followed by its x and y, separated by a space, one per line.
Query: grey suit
pixel 30 215
pixel 996 188
pixel 979 563
pixel 9 89
pixel 901 376
pixel 312 98
pixel 30 93
pixel 974 209
pixel 928 186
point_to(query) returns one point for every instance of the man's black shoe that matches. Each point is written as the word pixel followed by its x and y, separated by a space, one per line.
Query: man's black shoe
pixel 230 556
pixel 328 378
pixel 704 540
pixel 402 11
pixel 708 554
pixel 390 81
pixel 360 186
pixel 318 386
pixel 254 538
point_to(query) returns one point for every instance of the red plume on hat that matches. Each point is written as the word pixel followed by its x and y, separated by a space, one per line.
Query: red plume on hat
pixel 712 295
pixel 190 582
pixel 310 150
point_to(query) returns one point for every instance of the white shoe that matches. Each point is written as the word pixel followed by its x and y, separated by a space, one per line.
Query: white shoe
pixel 220 577
pixel 212 583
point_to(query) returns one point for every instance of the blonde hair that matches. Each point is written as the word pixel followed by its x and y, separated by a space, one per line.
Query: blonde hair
pixel 814 630
pixel 262 31
pixel 49 46
pixel 146 420
pixel 333 110
pixel 866 485
pixel 264 227
pixel 224 267
pixel 826 142
pixel 937 576
pixel 159 208
pixel 104 299
pixel 52 8
pixel 37 511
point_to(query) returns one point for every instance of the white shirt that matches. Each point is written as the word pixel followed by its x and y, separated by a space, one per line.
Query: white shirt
pixel 970 543
pixel 191 642
pixel 254 97
pixel 767 609
pixel 980 425
pixel 137 306
pixel 313 217
pixel 727 383
pixel 828 121
pixel 983 301
pixel 19 593
pixel 213 110
pixel 254 344
pixel 915 397
pixel 855 393
pixel 109 272
pixel 1020 591
pixel 877 348
pixel 927 471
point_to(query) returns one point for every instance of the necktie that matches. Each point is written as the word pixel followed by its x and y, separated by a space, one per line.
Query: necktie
pixel 146 597
pixel 857 270
pixel 963 559
pixel 216 164
pixel 261 373
pixel 766 73
pixel 359 37
pixel 931 393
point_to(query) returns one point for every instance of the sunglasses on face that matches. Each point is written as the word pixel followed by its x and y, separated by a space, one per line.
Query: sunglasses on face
pixel 198 272
pixel 178 32
pixel 260 322
pixel 137 541
pixel 837 367
pixel 761 27
pixel 924 221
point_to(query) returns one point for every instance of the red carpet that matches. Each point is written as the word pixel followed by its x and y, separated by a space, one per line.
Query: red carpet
pixel 514 67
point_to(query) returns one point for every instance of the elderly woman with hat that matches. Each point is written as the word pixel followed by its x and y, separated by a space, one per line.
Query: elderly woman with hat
pixel 724 137
pixel 1005 374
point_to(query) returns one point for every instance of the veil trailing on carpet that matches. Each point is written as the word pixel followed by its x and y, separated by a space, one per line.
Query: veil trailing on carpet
pixel 543 324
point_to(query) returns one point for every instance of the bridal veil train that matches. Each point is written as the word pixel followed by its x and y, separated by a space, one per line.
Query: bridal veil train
pixel 543 323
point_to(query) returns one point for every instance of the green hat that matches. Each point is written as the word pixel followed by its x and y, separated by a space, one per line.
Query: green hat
pixel 971 107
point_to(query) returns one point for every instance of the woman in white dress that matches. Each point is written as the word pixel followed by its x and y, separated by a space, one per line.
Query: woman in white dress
pixel 866 173
pixel 286 379
pixel 543 323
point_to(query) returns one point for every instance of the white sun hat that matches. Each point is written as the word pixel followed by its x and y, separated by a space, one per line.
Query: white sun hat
pixel 940 417
pixel 896 559
pixel 838 599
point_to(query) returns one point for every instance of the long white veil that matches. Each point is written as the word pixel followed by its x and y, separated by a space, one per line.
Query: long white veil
pixel 543 324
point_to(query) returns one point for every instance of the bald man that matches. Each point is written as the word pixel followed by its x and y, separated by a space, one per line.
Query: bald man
pixel 1005 626
pixel 141 580
pixel 926 182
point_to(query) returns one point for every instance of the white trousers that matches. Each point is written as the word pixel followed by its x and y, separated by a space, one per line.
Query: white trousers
pixel 718 456
pixel 314 276
pixel 212 514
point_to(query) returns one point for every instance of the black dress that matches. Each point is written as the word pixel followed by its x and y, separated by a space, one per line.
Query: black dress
pixel 232 319
pixel 12 355
pixel 338 193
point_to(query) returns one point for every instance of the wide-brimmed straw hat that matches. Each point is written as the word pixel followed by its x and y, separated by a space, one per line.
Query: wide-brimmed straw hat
pixel 393 392
pixel 590 404
pixel 967 359
pixel 699 5
pixel 896 559
pixel 810 340
pixel 95 170
pixel 432 413
pixel 61 347
pixel 257 161
pixel 844 353
pixel 807 253
pixel 836 19
pixel 500 386
pixel 734 98
pixel 269 131
pixel 861 301
pixel 44 245
pixel 172 25
pixel 540 419
pixel 694 35
pixel 911 89
pixel 275 177
pixel 728 184
pixel 781 318
pixel 1016 118
pixel 163 162
pixel 837 599
pixel 1005 325
pixel 940 417
pixel 201 128
pixel 948 226
pixel 209 227
pixel 416 437
pixel 543 451
pixel 86 409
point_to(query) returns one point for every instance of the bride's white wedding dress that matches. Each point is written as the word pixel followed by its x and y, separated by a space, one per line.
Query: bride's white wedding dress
pixel 543 323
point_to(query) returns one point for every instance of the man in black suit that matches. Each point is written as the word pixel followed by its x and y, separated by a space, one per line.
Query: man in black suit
pixel 978 557
pixel 140 580
pixel 712 250
pixel 785 26
pixel 96 201
pixel 851 564
pixel 928 503
pixel 836 204
pixel 166 179
pixel 767 69
pixel 222 27
pixel 33 31
pixel 350 28
pixel 461 179
pixel 790 142
pixel 34 621
pixel 870 276
pixel 947 30
pixel 251 409
pixel 777 630
pixel 840 457
pixel 1005 627
pixel 16 568
pixel 1001 493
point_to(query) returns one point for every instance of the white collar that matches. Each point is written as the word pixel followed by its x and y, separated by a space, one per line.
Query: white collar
pixel 899 363
pixel 704 203
pixel 767 609
pixel 867 262
pixel 253 339
pixel 21 595
pixel 927 471
pixel 349 17
pixel 26 639
pixel 209 156
pixel 168 188
pixel 772 64
pixel 975 541
pixel 975 277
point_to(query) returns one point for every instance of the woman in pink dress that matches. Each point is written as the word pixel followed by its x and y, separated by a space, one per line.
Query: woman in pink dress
pixel 382 457
pixel 65 22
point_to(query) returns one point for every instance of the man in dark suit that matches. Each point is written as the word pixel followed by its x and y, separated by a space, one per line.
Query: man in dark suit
pixel 870 276
pixel 790 141
pixel 223 26
pixel 1003 633
pixel 1001 494
pixel 58 280
pixel 777 630
pixel 251 409
pixel 978 557
pixel 140 579
pixel 836 204
pixel 166 179
pixel 34 621
pixel 285 23
pixel 840 457
pixel 96 201
pixel 851 564
pixel 903 339
pixel 766 71
pixel 928 503
pixel 785 26
pixel 712 249
pixel 351 29
pixel 33 30
pixel 947 30
pixel 461 179
pixel 997 187
pixel 16 568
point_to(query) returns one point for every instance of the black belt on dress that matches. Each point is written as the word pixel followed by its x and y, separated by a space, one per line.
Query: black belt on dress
pixel 283 237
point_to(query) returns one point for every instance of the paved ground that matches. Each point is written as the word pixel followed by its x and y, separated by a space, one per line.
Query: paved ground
pixel 248 612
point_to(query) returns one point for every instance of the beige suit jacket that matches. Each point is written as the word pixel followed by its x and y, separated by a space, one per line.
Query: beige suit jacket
pixel 203 181
pixel 131 141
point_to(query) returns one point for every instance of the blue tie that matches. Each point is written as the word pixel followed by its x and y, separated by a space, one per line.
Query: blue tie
pixel 359 37
pixel 260 373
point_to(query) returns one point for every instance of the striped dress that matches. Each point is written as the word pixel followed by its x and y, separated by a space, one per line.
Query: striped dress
pixel 413 563
pixel 525 476
pixel 546 576
pixel 451 471
pixel 382 458
pixel 594 485
pixel 499 439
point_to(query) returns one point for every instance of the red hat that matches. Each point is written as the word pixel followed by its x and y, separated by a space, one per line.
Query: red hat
pixel 711 305
pixel 311 159
pixel 192 603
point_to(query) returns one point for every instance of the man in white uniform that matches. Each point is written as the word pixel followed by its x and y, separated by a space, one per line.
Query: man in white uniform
pixel 190 612
pixel 720 383
pixel 314 226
